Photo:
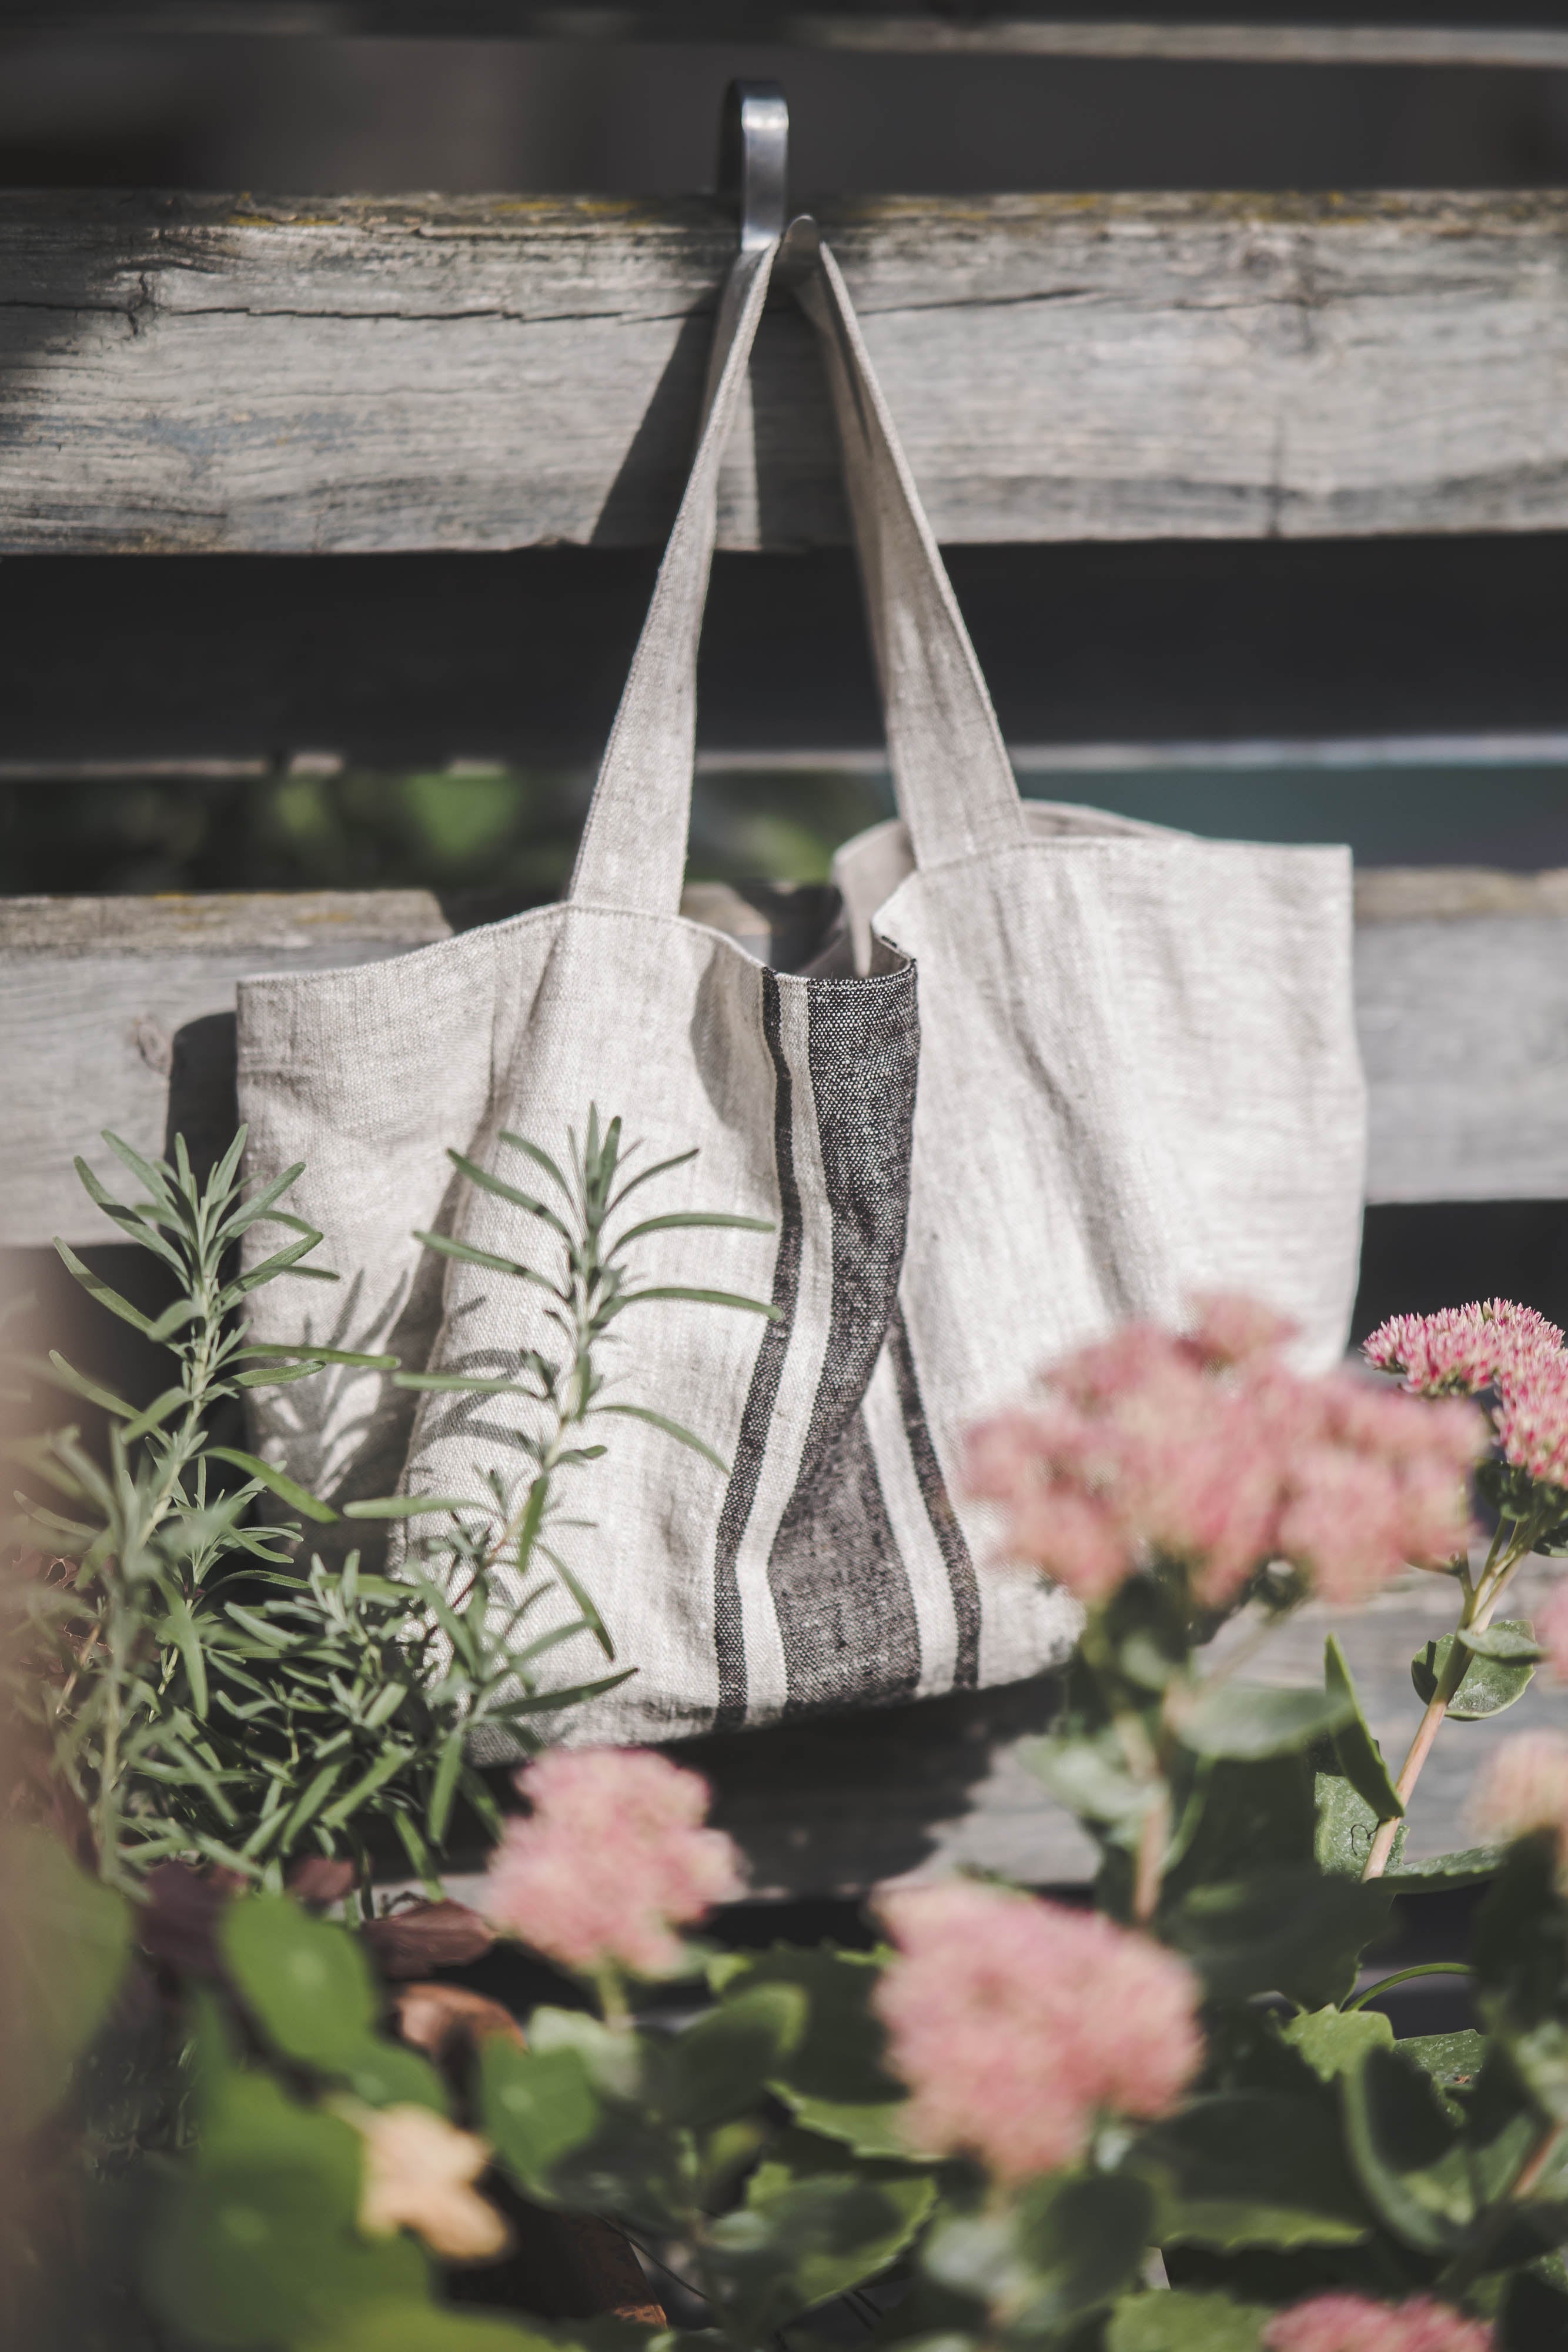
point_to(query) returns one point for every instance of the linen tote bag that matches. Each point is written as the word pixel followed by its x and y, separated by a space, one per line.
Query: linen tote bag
pixel 827 1568
pixel 1140 1080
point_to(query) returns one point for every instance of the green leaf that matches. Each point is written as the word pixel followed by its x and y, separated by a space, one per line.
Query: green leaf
pixel 156 1177
pixel 444 1786
pixel 1432 1873
pixel 409 1506
pixel 307 1984
pixel 384 2075
pixel 719 2066
pixel 1360 1756
pixel 56 1370
pixel 254 2241
pixel 1512 1640
pixel 1406 2152
pixel 283 1261
pixel 541 1159
pixel 679 1217
pixel 1081 2240
pixel 704 1298
pixel 326 1355
pixel 1450 2061
pixel 305 1980
pixel 1290 1930
pixel 1330 2040
pixel 674 1429
pixel 504 1191
pixel 1346 1824
pixel 154 1415
pixel 1251 2168
pixel 391 1761
pixel 433 2327
pixel 1089 1777
pixel 65 1944
pixel 1071 2243
pixel 814 2226
pixel 1490 1684
pixel 590 1616
pixel 469 1255
pixel 833 2079
pixel 463 1384
pixel 536 2106
pixel 276 1376
pixel 98 1288
pixel 182 1630
pixel 275 1481
pixel 1180 2321
pixel 1245 1721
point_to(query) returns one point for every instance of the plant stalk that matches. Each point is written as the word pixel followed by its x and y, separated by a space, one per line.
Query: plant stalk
pixel 1478 1610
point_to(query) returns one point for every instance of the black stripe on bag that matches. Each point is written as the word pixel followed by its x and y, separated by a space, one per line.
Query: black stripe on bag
pixel 729 1633
pixel 961 1577
pixel 846 1613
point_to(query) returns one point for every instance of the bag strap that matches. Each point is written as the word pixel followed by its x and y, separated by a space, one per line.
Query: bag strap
pixel 951 774
pixel 955 787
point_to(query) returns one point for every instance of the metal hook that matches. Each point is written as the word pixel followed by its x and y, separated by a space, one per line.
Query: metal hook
pixel 754 157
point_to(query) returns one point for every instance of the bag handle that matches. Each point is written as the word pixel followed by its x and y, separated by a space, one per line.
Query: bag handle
pixel 954 784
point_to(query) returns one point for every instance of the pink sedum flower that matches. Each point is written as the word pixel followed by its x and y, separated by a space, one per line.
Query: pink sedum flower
pixel 1492 1344
pixel 1461 1350
pixel 1016 2023
pixel 1552 1633
pixel 613 1857
pixel 1229 1326
pixel 1533 1416
pixel 1524 1788
pixel 1350 2323
pixel 1206 1447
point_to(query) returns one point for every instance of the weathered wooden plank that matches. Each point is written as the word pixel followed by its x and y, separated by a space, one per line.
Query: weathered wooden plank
pixel 185 373
pixel 120 1011
pixel 1248 35
pixel 1463 1018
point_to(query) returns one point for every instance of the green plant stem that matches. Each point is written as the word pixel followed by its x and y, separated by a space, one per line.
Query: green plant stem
pixel 1404 1976
pixel 1479 1606
pixel 1536 2163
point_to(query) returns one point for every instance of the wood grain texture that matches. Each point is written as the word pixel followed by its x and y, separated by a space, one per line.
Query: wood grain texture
pixel 1017 29
pixel 119 1013
pixel 200 372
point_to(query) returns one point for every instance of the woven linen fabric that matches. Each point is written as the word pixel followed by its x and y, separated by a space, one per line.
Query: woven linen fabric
pixel 826 1569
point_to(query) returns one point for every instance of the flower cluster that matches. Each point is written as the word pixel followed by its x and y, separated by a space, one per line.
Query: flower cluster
pixel 1523 1790
pixel 1490 1345
pixel 1461 1351
pixel 1206 1447
pixel 612 1857
pixel 1016 2023
pixel 1349 2323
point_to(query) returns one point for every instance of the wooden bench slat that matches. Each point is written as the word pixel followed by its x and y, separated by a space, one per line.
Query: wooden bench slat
pixel 120 1011
pixel 183 372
